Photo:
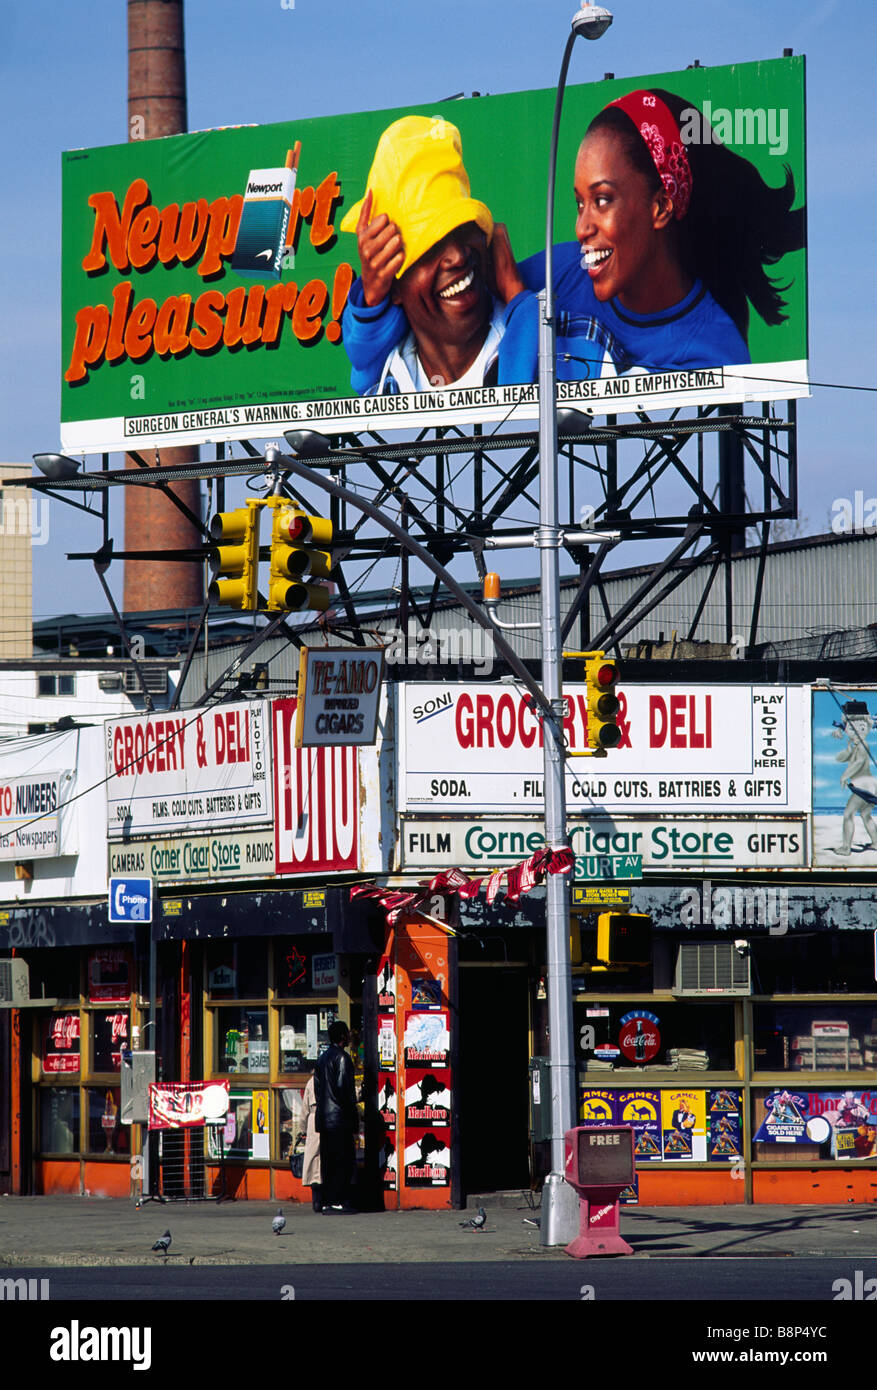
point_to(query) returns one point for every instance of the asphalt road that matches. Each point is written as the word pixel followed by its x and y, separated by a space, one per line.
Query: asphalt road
pixel 707 1280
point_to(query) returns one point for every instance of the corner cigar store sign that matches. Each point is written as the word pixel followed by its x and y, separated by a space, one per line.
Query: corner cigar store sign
pixel 612 848
pixel 192 857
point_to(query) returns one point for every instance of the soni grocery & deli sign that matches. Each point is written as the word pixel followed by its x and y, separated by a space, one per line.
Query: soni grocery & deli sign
pixel 204 279
pixel 706 748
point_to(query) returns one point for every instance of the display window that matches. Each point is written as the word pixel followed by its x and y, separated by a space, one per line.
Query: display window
pixel 305 966
pixel 304 1034
pixel 832 1036
pixel 109 1035
pixel 105 1133
pixel 236 970
pixel 241 1040
pixel 59 1044
pixel 59 1119
pixel 658 1036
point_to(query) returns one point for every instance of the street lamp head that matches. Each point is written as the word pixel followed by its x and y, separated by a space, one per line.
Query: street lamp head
pixel 56 466
pixel 307 443
pixel 592 21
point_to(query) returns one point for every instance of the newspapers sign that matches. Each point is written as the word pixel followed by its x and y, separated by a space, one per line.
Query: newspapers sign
pixel 604 848
pixel 705 748
pixel 29 816
pixel 178 772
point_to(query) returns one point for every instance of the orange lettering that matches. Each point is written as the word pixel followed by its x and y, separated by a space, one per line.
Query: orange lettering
pixel 307 316
pixel 92 326
pixel 110 227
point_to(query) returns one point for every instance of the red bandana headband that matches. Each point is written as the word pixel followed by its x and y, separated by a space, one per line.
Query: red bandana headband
pixel 656 124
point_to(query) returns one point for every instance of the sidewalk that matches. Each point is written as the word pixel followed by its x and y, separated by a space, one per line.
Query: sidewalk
pixel 59 1231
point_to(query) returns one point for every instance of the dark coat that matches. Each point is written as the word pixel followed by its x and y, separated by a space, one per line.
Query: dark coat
pixel 335 1092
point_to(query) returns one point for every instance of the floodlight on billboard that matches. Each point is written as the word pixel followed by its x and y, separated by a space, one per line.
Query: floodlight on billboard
pixel 179 326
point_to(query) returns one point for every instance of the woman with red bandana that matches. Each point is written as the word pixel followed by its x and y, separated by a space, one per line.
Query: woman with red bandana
pixel 674 232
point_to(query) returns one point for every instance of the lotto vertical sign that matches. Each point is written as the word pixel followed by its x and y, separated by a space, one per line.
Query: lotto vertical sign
pixel 316 801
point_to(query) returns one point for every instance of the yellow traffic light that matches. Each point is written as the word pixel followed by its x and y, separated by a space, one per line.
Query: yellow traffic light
pixel 601 677
pixel 235 559
pixel 624 938
pixel 296 552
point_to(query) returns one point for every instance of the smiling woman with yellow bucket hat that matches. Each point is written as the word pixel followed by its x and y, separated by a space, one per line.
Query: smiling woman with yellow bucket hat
pixel 430 249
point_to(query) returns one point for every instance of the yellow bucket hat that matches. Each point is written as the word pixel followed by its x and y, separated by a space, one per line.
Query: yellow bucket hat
pixel 418 179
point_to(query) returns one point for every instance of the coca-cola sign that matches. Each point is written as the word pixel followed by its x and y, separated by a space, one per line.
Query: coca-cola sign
pixel 639 1037
pixel 316 799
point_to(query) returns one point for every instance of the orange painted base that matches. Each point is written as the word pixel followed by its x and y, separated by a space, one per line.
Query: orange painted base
pixel 72 1178
pixel 699 1187
pixel 59 1178
pixel 816 1186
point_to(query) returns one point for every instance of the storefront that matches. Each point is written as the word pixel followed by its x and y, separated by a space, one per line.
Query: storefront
pixel 745 1052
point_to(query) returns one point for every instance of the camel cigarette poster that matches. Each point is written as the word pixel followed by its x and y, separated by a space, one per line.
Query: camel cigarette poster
pixel 642 1109
pixel 598 1108
pixel 211 285
pixel 724 1126
pixel 845 779
pixel 683 1124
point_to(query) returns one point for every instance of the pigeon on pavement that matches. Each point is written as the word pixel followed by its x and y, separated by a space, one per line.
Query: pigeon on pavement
pixel 279 1222
pixel 163 1243
pixel 476 1222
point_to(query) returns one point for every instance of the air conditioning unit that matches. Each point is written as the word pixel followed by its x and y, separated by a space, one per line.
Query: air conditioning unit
pixel 711 967
pixel 14 983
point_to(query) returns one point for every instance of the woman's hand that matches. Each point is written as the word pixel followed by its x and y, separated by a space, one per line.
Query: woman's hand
pixel 507 279
pixel 381 252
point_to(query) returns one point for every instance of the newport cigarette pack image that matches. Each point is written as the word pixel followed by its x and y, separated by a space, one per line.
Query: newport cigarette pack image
pixel 265 218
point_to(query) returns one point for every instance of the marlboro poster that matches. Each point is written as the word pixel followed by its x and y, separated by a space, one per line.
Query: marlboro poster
pixel 427 1157
pixel 387 1101
pixel 427 1040
pixel 427 1098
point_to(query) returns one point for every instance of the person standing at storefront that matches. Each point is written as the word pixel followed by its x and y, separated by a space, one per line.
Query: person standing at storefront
pixel 311 1176
pixel 336 1120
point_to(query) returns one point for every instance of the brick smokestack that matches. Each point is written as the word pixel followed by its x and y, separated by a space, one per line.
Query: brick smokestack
pixel 157 107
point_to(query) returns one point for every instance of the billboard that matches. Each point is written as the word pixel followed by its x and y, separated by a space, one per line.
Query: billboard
pixel 844 782
pixel 712 749
pixel 187 771
pixel 208 279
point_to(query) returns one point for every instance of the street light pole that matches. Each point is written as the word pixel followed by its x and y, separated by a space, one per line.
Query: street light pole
pixel 560 1206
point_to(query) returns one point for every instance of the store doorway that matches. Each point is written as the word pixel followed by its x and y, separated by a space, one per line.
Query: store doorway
pixel 494 1053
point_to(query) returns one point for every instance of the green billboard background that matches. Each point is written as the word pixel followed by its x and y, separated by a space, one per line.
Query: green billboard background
pixel 138 361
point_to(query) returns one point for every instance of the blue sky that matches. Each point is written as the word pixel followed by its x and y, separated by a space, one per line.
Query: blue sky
pixel 63 75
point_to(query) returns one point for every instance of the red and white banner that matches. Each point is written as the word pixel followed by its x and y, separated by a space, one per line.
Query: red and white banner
pixel 316 800
pixel 174 1105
